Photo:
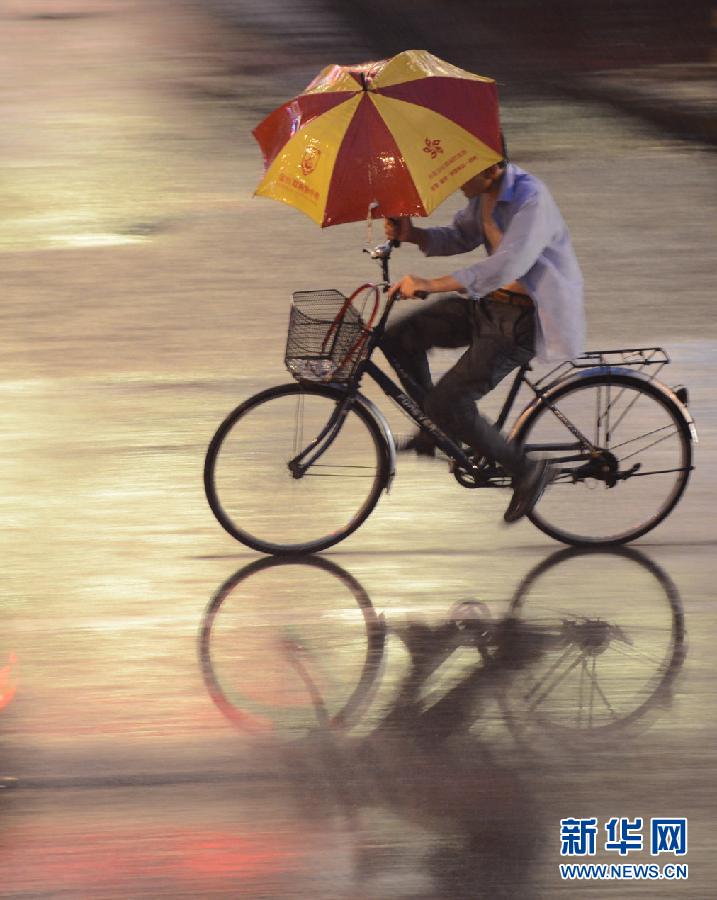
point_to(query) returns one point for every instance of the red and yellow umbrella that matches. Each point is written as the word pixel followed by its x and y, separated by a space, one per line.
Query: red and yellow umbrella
pixel 401 134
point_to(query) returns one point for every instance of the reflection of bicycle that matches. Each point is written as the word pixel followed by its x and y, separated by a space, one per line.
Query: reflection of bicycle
pixel 297 468
pixel 578 651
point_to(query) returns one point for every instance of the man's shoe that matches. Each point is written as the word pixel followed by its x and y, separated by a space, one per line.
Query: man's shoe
pixel 419 443
pixel 527 490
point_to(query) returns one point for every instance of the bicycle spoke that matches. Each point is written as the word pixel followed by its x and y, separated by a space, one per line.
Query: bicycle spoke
pixel 653 444
pixel 298 425
pixel 598 403
pixel 556 682
pixel 647 434
pixel 312 474
pixel 338 466
pixel 632 653
pixel 609 430
pixel 556 665
pixel 595 686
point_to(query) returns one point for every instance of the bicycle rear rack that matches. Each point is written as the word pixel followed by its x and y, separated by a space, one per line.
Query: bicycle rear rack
pixel 640 358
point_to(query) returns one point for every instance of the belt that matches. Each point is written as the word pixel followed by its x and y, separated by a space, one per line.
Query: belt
pixel 511 297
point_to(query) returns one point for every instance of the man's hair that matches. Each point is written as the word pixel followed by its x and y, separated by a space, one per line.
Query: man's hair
pixel 504 147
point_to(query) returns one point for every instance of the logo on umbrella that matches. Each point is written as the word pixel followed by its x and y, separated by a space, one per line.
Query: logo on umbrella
pixel 310 160
pixel 433 147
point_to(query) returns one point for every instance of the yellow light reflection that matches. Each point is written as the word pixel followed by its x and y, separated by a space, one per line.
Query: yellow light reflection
pixel 95 240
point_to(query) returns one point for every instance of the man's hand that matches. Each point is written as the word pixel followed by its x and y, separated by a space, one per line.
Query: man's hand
pixel 412 286
pixel 401 228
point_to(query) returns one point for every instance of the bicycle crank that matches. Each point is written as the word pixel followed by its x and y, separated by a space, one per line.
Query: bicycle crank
pixel 482 474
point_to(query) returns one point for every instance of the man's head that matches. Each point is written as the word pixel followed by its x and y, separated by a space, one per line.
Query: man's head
pixel 488 178
pixel 483 181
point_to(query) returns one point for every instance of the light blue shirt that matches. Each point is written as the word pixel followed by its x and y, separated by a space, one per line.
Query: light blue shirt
pixel 535 249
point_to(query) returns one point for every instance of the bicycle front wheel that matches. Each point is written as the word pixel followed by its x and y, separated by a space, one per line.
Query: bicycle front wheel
pixel 272 665
pixel 253 492
pixel 634 478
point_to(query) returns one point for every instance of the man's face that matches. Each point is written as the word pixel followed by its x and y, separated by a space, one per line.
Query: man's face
pixel 482 182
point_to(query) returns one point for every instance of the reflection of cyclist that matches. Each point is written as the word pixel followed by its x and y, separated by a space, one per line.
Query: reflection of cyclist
pixel 524 299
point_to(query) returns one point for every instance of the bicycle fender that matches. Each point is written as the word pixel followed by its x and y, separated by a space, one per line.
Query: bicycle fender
pixel 600 371
pixel 382 423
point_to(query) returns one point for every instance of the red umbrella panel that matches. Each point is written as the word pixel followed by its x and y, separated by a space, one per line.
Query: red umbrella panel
pixel 402 134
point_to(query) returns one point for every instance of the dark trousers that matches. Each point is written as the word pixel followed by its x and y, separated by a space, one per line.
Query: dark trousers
pixel 499 337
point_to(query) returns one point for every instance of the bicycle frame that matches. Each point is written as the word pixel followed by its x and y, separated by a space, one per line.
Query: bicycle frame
pixel 453 450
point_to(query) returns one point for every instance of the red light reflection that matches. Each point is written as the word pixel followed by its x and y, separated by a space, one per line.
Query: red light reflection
pixel 8 686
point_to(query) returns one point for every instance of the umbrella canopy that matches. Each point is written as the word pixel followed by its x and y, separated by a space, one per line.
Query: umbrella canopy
pixel 402 133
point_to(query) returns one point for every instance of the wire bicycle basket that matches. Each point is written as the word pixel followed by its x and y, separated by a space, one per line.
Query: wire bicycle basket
pixel 328 336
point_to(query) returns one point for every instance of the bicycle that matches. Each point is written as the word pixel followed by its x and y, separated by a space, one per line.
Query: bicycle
pixel 555 661
pixel 299 467
pixel 459 728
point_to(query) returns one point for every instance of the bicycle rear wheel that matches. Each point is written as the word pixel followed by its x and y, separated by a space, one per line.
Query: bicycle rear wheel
pixel 252 491
pixel 634 480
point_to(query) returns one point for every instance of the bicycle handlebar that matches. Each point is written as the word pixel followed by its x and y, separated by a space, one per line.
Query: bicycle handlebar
pixel 382 253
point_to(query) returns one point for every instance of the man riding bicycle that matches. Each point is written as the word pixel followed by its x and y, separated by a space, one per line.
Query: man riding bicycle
pixel 523 300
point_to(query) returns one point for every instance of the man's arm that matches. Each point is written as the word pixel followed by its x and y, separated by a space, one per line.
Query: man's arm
pixel 415 286
pixel 460 237
pixel 530 231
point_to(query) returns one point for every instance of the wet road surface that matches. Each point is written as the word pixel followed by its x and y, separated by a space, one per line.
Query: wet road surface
pixel 145 294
